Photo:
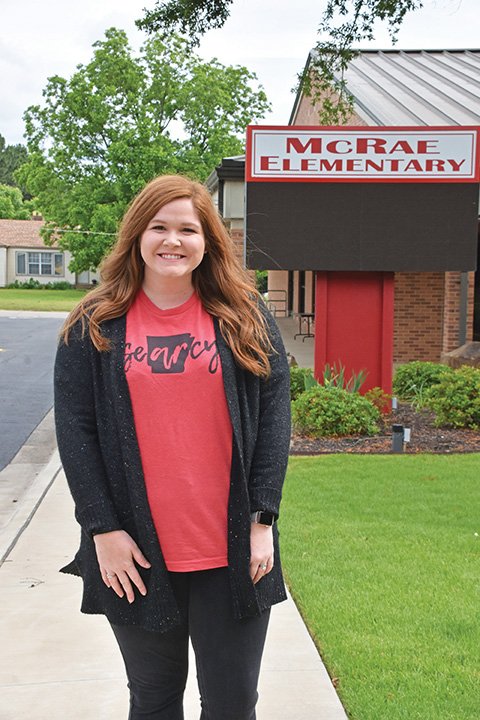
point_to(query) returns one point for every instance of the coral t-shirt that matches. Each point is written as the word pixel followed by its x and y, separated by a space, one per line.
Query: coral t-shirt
pixel 183 428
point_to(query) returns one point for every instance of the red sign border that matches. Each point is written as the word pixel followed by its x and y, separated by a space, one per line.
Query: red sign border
pixel 362 128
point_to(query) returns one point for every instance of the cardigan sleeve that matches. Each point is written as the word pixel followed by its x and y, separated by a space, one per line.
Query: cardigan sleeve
pixel 77 436
pixel 270 457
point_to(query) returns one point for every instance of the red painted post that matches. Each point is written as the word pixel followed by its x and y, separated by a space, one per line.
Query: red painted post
pixel 354 325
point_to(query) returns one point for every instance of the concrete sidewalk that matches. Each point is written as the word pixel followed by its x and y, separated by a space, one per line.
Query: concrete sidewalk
pixel 58 663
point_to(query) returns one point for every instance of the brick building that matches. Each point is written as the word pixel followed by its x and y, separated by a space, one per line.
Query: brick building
pixel 434 312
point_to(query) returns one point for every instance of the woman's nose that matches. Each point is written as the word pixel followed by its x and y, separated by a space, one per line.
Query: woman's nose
pixel 171 238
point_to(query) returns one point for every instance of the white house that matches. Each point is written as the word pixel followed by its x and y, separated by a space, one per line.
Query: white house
pixel 24 255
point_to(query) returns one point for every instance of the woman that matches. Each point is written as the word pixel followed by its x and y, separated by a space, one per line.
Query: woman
pixel 172 417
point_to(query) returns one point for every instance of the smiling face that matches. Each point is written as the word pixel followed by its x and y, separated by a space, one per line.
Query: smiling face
pixel 172 245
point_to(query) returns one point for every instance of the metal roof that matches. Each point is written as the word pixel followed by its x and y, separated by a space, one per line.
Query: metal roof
pixel 415 87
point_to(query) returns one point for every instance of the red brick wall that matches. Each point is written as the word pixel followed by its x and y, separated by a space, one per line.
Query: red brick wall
pixel 307 114
pixel 452 311
pixel 237 237
pixel 418 316
pixel 451 338
pixel 471 305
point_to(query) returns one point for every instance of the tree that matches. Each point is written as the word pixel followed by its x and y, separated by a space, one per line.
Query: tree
pixel 12 206
pixel 120 121
pixel 11 157
pixel 343 24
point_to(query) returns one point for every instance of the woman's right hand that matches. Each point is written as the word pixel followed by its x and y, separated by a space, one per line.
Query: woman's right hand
pixel 116 553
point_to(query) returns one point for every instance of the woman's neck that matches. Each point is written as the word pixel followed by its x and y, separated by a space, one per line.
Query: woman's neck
pixel 167 295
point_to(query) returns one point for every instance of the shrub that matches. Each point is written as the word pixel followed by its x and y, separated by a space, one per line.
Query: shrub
pixel 261 280
pixel 413 379
pixel 58 285
pixel 378 397
pixel 298 380
pixel 455 399
pixel 332 411
pixel 30 284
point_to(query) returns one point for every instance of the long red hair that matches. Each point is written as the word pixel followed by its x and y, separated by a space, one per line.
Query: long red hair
pixel 221 283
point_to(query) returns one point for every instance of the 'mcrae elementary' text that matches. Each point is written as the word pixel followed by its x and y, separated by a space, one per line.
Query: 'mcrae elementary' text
pixel 380 154
pixel 316 165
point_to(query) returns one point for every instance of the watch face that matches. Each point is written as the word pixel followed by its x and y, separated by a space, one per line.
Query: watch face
pixel 265 518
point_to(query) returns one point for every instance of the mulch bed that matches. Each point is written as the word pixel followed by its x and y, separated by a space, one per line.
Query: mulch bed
pixel 425 437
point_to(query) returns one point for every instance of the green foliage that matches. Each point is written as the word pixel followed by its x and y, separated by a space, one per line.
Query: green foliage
pixel 123 119
pixel 12 206
pixel 261 280
pixel 412 380
pixel 343 25
pixel 30 284
pixel 455 399
pixel 11 157
pixel 299 378
pixel 191 17
pixel 33 284
pixel 58 285
pixel 335 377
pixel 310 381
pixel 302 379
pixel 332 411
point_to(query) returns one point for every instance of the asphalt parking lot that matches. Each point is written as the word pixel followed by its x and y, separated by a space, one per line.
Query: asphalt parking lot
pixel 27 353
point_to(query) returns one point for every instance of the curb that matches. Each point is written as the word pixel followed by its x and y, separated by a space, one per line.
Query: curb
pixel 28 505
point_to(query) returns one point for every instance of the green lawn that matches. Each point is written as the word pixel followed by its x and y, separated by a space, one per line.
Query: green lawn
pixel 382 557
pixel 13 299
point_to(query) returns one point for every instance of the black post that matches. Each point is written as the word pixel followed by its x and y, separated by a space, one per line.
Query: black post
pixel 397 438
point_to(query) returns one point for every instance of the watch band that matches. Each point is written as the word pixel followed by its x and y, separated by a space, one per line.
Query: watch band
pixel 263 518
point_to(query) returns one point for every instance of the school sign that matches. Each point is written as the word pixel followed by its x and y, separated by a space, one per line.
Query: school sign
pixel 353 155
pixel 362 198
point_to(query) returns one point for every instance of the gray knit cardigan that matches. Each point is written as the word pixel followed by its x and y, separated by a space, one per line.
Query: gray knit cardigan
pixel 100 455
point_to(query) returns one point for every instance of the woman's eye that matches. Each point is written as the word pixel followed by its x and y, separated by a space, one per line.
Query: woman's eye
pixel 158 227
pixel 188 230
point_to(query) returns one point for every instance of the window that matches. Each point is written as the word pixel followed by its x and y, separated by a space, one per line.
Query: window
pixel 34 263
pixel 21 259
pixel 58 264
pixel 40 263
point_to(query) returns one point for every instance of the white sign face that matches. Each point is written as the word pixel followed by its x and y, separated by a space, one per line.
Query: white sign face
pixel 353 154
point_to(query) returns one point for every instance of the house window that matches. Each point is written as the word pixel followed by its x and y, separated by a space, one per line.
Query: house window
pixel 40 263
pixel 58 264
pixel 21 259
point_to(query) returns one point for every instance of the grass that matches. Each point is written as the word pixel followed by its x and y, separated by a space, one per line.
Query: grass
pixel 383 559
pixel 17 299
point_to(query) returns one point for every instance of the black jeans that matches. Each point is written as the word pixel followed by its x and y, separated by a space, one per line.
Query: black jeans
pixel 228 653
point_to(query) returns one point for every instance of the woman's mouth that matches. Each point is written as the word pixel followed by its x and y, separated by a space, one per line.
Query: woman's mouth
pixel 170 256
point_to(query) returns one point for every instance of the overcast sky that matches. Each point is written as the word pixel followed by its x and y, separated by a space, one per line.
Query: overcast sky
pixel 270 37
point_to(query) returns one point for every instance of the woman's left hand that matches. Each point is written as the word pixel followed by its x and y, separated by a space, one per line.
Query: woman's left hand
pixel 261 551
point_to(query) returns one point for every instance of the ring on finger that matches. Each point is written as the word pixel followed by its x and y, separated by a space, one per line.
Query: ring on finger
pixel 263 567
pixel 110 577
